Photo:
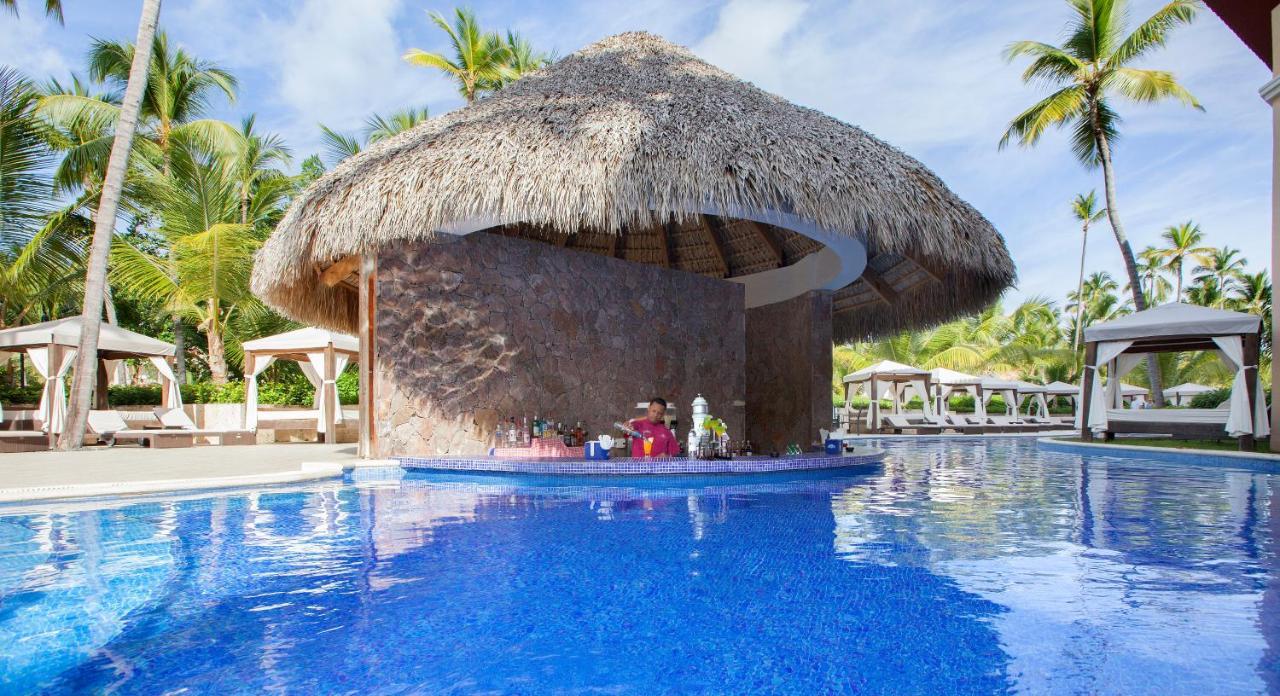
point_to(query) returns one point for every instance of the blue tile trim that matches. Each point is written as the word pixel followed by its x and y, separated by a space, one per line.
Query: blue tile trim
pixel 1265 464
pixel 642 467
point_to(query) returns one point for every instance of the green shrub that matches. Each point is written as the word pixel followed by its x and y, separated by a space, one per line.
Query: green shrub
pixel 29 394
pixel 133 395
pixel 1211 399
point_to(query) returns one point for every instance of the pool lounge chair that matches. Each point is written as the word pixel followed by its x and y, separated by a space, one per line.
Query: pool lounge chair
pixel 900 424
pixel 1010 424
pixel 177 419
pixel 13 441
pixel 966 425
pixel 111 428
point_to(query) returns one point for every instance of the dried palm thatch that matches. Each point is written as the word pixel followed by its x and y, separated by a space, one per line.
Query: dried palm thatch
pixel 634 134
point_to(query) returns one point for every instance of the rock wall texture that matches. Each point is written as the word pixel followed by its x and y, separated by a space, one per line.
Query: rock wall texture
pixel 789 371
pixel 473 329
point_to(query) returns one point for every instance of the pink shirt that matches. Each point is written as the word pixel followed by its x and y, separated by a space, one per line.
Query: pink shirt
pixel 664 443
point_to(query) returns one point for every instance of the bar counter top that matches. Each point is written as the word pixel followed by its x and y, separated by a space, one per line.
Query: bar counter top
pixel 760 464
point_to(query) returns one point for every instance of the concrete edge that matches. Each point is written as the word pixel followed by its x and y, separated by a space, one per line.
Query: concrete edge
pixel 1061 444
pixel 308 471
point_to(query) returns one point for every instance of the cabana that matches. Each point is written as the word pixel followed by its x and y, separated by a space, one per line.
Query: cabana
pixel 1038 394
pixel 1120 345
pixel 891 379
pixel 584 236
pixel 1007 389
pixel 1059 389
pixel 322 355
pixel 1132 393
pixel 947 382
pixel 51 347
pixel 1182 394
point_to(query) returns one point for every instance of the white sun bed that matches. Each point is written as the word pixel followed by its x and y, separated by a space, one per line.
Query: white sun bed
pixel 110 427
pixel 1184 422
pixel 177 419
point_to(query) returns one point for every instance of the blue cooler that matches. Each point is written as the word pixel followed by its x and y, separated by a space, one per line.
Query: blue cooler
pixel 834 446
pixel 595 451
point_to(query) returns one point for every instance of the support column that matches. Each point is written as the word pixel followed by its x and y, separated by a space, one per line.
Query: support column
pixel 1271 93
pixel 100 390
pixel 1090 374
pixel 329 390
pixel 1252 350
pixel 55 360
pixel 788 371
pixel 365 332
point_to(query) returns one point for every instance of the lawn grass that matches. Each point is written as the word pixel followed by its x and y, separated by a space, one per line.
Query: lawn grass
pixel 1226 445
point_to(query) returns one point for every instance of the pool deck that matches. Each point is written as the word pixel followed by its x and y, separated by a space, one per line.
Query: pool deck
pixel 136 470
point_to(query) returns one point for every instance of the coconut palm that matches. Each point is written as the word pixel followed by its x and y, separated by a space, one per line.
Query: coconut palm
pixel 1092 67
pixel 1183 243
pixel 522 59
pixel 104 228
pixel 1151 268
pixel 210 233
pixel 339 146
pixel 1085 209
pixel 1220 269
pixel 480 62
pixel 252 163
pixel 52 8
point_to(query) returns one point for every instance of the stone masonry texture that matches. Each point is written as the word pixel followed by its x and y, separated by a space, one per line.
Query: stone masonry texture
pixel 789 371
pixel 482 327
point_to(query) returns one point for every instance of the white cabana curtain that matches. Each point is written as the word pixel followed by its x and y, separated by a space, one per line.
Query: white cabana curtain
pixel 170 381
pixel 1096 417
pixel 52 411
pixel 251 392
pixel 1238 420
pixel 314 375
pixel 1124 365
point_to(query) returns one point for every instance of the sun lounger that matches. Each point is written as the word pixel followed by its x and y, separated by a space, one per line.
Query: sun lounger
pixel 12 441
pixel 966 425
pixel 110 428
pixel 177 419
pixel 1009 424
pixel 900 424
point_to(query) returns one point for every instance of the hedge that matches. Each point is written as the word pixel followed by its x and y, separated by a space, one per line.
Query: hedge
pixel 299 393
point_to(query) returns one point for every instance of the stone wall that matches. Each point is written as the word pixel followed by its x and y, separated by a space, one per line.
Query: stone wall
pixel 789 371
pixel 476 328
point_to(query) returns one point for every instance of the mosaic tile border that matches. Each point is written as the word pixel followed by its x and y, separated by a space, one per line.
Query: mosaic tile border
pixel 644 467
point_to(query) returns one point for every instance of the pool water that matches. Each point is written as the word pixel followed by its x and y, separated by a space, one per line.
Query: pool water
pixel 962 566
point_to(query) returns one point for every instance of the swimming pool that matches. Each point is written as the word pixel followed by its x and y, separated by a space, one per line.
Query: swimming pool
pixel 960 566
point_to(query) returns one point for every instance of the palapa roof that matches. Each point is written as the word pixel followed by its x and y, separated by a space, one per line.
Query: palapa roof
pixel 635 148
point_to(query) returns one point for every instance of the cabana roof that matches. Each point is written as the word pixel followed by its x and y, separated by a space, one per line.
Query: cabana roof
pixel 635 148
pixel 887 371
pixel 947 377
pixel 296 344
pixel 1133 390
pixel 1187 388
pixel 113 341
pixel 1061 389
pixel 1031 388
pixel 1175 319
pixel 991 383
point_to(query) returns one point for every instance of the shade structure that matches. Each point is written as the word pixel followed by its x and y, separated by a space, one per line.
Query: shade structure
pixel 52 346
pixel 635 148
pixel 1057 388
pixel 1183 393
pixel 888 379
pixel 947 381
pixel 1118 346
pixel 320 353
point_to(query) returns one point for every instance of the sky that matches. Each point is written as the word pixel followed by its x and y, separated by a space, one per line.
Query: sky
pixel 926 76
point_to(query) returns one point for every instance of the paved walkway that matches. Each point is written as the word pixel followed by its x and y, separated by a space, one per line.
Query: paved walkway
pixel 123 470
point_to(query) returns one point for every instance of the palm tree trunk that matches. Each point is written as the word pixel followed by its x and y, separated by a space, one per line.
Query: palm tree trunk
pixel 1179 293
pixel 217 349
pixel 103 229
pixel 1084 243
pixel 1126 251
pixel 179 351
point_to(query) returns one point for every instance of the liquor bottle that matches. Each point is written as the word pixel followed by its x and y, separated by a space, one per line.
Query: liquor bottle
pixel 537 426
pixel 524 431
pixel 579 435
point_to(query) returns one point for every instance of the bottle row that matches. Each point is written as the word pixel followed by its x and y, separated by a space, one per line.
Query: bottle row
pixel 522 432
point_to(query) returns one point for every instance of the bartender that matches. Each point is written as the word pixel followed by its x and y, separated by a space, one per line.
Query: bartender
pixel 651 428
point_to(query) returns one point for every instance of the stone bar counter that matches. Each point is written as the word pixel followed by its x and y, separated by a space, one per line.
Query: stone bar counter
pixel 859 457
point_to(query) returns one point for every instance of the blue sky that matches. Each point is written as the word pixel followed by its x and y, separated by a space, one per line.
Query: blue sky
pixel 925 75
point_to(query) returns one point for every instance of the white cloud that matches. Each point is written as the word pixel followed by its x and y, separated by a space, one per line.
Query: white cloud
pixel 27 45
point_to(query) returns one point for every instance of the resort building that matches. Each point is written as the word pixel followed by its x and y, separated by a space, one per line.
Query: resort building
pixel 630 221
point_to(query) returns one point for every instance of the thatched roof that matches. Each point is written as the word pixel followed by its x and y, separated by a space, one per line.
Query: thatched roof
pixel 637 138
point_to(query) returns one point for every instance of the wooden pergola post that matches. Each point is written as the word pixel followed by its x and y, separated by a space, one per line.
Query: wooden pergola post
pixel 50 382
pixel 1252 349
pixel 874 406
pixel 1086 397
pixel 100 390
pixel 329 389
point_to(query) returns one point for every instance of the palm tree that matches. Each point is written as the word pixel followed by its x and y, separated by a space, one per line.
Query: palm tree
pixel 481 59
pixel 1220 268
pixel 1183 243
pixel 178 92
pixel 210 234
pixel 252 163
pixel 1093 65
pixel 1085 209
pixel 1151 268
pixel 339 146
pixel 104 229
pixel 52 8
pixel 522 58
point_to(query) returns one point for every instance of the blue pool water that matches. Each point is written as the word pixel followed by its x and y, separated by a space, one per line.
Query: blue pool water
pixel 956 567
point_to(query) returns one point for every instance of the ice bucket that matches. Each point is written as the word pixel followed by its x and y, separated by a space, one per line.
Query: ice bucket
pixel 594 450
pixel 833 446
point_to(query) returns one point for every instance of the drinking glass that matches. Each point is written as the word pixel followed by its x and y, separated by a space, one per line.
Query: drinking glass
pixel 648 446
